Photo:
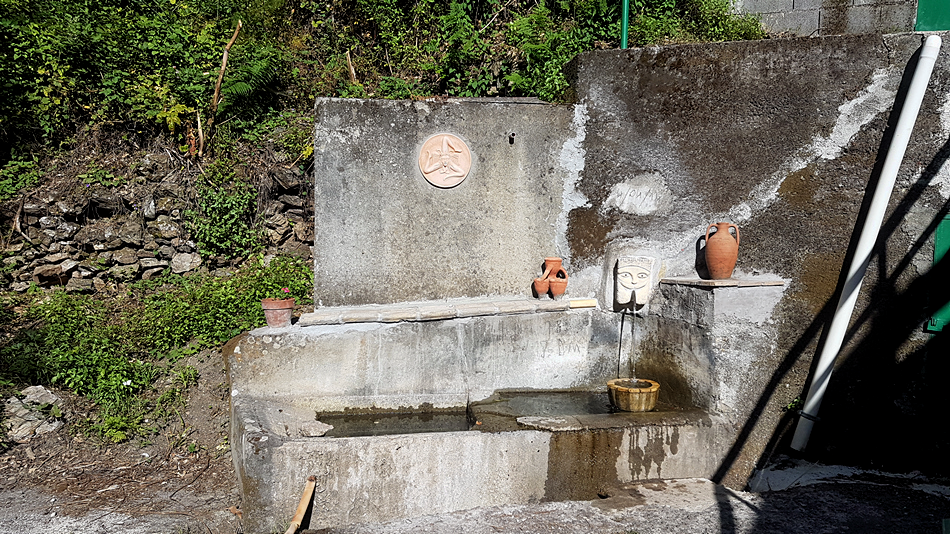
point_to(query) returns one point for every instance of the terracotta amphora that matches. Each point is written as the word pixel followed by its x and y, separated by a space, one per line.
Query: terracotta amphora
pixel 541 286
pixel 722 250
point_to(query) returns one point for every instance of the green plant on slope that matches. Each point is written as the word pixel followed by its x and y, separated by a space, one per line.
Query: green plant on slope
pixel 225 220
pixel 548 40
pixel 551 36
pixel 16 175
pixel 136 63
pixel 99 176
pixel 111 350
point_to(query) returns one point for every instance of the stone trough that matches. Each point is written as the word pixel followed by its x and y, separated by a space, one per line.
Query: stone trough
pixel 450 405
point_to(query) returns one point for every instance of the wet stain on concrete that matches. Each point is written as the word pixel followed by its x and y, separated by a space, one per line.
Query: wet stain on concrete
pixel 587 233
pixel 798 189
pixel 819 279
pixel 582 465
pixel 649 448
pixel 620 499
pixel 661 357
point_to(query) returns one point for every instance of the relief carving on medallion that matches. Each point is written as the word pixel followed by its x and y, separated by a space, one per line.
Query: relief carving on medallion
pixel 445 160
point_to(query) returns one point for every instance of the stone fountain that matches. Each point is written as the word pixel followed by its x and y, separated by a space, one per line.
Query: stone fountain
pixel 447 383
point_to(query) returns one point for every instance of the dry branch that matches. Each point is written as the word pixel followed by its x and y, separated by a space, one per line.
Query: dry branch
pixel 201 136
pixel 224 65
pixel 349 63
pixel 217 88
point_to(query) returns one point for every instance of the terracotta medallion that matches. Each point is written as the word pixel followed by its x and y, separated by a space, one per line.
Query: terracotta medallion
pixel 445 160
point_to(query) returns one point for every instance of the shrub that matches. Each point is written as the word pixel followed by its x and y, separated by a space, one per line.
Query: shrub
pixel 225 220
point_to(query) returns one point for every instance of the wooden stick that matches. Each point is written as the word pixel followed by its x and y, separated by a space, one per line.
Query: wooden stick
pixel 224 65
pixel 16 222
pixel 201 136
pixel 217 86
pixel 582 303
pixel 302 507
pixel 349 63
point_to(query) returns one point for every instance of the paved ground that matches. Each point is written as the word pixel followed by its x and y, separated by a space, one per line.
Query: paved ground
pixel 804 498
pixel 799 498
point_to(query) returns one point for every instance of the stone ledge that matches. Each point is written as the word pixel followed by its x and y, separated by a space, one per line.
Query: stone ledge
pixel 731 282
pixel 437 310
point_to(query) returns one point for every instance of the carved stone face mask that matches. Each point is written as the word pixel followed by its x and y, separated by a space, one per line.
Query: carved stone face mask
pixel 634 280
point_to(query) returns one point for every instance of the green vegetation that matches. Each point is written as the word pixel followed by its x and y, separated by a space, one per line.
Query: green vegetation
pixel 113 350
pixel 18 174
pixel 224 222
pixel 147 70
pixel 95 175
pixel 150 67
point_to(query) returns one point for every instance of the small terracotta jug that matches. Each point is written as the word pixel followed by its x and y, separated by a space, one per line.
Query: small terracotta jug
pixel 541 286
pixel 553 280
pixel 551 267
pixel 722 250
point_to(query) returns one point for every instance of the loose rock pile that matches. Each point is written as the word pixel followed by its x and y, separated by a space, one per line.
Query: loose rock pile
pixel 90 236
pixel 37 413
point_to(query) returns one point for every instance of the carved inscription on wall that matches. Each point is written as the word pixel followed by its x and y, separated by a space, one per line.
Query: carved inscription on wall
pixel 445 160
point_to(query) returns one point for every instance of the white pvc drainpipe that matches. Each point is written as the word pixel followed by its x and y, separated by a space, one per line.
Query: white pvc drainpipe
pixel 862 254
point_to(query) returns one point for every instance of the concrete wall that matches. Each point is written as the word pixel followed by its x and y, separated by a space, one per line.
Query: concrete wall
pixel 782 137
pixel 833 17
pixel 384 234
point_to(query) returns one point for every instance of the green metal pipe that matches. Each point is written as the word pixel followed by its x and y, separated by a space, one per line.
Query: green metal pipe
pixel 623 23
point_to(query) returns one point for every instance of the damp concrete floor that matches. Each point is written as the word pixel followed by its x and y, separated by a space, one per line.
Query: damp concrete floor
pixel 795 496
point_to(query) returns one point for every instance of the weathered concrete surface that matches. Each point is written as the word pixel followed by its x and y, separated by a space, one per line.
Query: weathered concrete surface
pixel 783 138
pixel 282 379
pixel 385 478
pixel 869 502
pixel 410 364
pixel 384 234
pixel 391 477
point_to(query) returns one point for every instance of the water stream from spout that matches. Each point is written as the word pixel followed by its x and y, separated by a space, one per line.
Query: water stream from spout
pixel 620 351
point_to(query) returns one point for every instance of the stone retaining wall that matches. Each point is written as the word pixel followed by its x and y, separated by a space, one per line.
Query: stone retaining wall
pixel 90 237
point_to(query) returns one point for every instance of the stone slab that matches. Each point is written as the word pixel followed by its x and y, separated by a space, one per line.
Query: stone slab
pixel 731 282
pixel 437 310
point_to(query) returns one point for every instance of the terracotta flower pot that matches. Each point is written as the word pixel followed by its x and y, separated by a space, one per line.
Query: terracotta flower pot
pixel 278 312
pixel 722 250
pixel 633 394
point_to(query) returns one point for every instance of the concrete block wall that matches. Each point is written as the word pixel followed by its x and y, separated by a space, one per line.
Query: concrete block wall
pixel 833 17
